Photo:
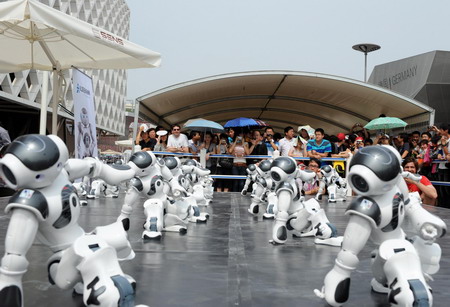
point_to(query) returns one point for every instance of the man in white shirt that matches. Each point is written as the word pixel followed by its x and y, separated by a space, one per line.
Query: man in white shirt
pixel 177 142
pixel 286 143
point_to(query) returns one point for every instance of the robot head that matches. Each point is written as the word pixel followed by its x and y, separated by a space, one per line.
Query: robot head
pixel 33 161
pixel 251 168
pixel 142 162
pixel 190 162
pixel 326 170
pixel 374 170
pixel 283 169
pixel 173 163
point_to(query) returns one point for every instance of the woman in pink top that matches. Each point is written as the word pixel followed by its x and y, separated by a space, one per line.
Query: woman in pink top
pixel 239 149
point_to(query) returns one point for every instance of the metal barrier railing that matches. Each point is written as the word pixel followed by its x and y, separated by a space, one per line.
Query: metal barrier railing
pixel 345 160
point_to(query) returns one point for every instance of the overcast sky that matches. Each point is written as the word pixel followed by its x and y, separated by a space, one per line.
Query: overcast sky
pixel 201 38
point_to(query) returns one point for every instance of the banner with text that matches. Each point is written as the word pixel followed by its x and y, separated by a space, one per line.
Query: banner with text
pixel 84 115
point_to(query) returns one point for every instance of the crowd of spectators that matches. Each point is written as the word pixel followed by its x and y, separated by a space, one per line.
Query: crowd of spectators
pixel 418 149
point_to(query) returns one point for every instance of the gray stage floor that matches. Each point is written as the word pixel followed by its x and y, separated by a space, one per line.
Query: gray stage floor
pixel 226 262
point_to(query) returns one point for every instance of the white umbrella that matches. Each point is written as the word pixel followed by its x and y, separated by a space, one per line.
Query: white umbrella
pixel 36 36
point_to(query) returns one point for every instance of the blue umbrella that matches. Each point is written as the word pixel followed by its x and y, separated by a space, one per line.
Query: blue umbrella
pixel 244 122
pixel 204 125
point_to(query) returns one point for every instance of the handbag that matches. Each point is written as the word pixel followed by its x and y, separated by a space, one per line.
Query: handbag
pixel 226 162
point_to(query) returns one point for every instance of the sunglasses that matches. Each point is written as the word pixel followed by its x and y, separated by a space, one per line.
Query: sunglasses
pixel 175 129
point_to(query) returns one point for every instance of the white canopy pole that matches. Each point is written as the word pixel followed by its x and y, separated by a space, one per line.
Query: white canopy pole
pixel 136 117
pixel 55 102
pixel 44 95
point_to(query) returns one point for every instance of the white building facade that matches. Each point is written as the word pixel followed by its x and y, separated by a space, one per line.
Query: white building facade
pixel 25 88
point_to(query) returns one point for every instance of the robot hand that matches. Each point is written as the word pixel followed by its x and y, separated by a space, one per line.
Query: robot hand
pixel 429 233
pixel 244 192
pixel 411 176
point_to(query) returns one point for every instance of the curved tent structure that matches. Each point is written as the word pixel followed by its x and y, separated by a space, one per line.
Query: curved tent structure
pixel 282 98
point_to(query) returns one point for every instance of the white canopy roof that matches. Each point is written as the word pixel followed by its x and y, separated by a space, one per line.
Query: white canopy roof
pixel 281 98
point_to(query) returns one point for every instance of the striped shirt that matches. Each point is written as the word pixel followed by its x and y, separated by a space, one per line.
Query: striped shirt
pixel 325 146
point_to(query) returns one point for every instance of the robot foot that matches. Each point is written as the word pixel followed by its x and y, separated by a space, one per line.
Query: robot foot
pixel 78 289
pixel 296 234
pixel 254 209
pixel 176 228
pixel 319 197
pixel 83 203
pixel 377 287
pixel 336 241
pixel 198 219
pixel 268 216
pixel 151 235
pixel 279 234
pixel 11 296
pixel 332 201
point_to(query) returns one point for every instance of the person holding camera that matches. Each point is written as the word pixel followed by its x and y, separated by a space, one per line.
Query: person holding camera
pixel 239 149
pixel 269 140
pixel 360 131
pixel 257 148
pixel 223 169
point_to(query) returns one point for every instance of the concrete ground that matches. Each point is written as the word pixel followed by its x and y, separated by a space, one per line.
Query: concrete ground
pixel 226 262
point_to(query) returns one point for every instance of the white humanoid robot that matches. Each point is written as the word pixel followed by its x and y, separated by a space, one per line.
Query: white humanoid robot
pixel 99 188
pixel 263 183
pixel 284 172
pixel 311 221
pixel 192 174
pixel 335 185
pixel 47 206
pixel 150 176
pixel 251 177
pixel 379 214
pixel 184 202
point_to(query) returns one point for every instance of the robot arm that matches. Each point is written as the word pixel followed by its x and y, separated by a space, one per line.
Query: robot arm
pixel 337 282
pixel 21 232
pixel 77 168
pixel 428 226
pixel 305 175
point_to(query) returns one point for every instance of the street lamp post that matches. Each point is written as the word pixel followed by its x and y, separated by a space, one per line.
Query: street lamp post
pixel 366 48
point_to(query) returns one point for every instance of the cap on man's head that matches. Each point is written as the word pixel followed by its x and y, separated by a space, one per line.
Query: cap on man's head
pixel 359 139
pixel 341 136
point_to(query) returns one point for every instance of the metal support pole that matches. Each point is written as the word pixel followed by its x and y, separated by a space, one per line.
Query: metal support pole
pixel 44 97
pixel 365 66
pixel 55 102
pixel 135 123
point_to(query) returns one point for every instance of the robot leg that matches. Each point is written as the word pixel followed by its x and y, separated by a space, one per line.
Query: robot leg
pixel 299 222
pixel 131 198
pixel 279 231
pixel 336 287
pixel 256 200
pixel 272 207
pixel 195 215
pixel 112 191
pixel 13 267
pixel 20 235
pixel 332 193
pixel 321 190
pixel 429 254
pixel 115 235
pixel 199 195
pixel 105 284
pixel 398 266
pixel 154 211
pixel 173 223
pixel 325 232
